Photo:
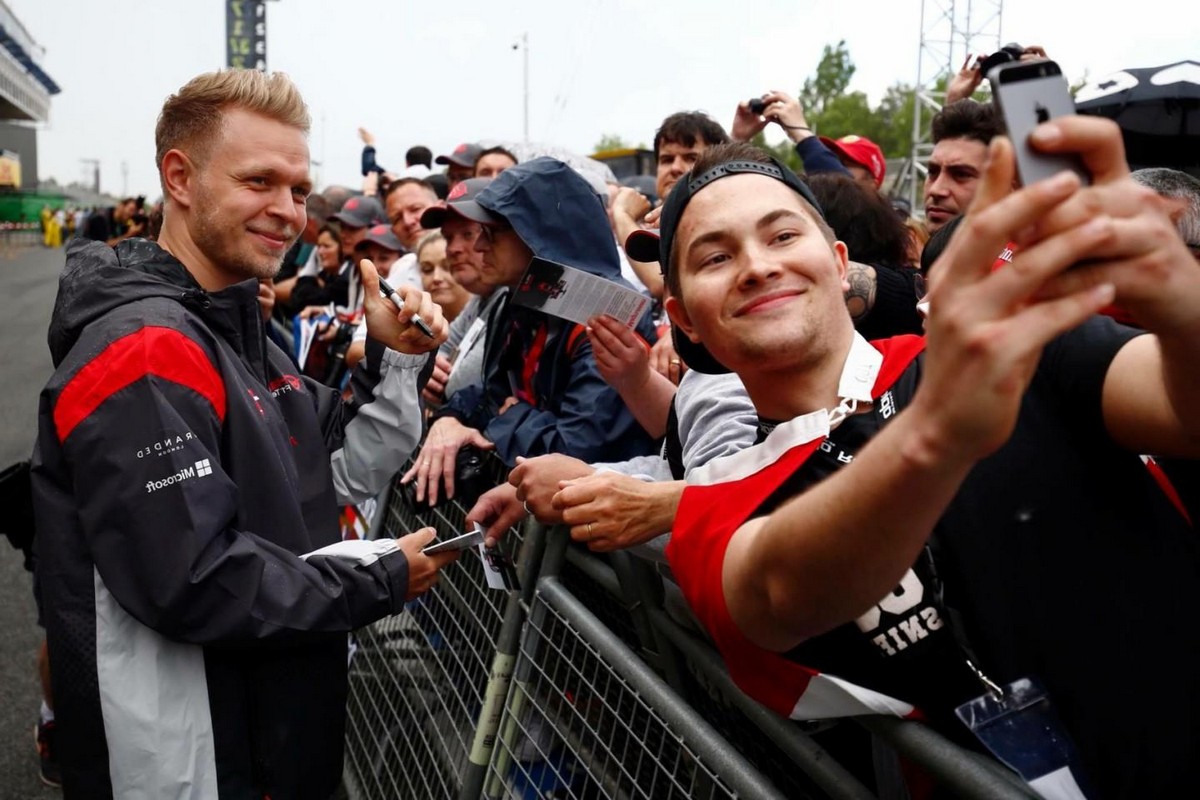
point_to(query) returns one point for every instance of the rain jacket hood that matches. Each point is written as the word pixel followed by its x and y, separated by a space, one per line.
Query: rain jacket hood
pixel 557 214
pixel 544 362
pixel 98 279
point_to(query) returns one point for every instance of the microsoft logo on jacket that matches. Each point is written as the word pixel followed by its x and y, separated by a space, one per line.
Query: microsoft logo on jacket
pixel 199 470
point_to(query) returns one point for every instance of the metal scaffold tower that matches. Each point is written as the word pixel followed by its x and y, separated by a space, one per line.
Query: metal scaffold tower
pixel 950 30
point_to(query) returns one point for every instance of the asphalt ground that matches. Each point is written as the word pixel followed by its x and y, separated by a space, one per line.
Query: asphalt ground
pixel 28 280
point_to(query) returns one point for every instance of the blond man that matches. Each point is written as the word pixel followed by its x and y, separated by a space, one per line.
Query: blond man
pixel 194 591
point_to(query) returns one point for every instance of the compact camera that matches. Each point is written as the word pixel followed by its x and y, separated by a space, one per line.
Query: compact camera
pixel 1009 53
pixel 757 105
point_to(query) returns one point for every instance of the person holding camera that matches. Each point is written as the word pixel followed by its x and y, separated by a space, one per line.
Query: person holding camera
pixel 753 115
pixel 976 68
pixel 855 155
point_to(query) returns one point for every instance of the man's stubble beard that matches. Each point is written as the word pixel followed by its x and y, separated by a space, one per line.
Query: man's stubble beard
pixel 217 245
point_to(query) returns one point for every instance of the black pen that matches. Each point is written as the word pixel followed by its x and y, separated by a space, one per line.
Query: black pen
pixel 390 293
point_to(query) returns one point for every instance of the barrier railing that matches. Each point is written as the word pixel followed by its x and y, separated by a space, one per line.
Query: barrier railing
pixel 591 681
pixel 17 236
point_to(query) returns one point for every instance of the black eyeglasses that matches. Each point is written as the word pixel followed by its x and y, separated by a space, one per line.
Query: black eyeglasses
pixel 489 231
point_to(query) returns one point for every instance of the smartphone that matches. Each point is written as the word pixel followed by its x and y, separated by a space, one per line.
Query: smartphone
pixel 461 542
pixel 1029 93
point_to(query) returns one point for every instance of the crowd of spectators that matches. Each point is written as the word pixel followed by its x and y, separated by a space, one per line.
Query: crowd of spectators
pixel 893 462
pixel 130 217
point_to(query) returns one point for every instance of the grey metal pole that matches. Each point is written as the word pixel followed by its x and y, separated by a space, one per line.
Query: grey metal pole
pixel 503 663
pixel 963 773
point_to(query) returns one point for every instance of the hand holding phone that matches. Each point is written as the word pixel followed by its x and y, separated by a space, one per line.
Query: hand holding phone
pixel 461 542
pixel 1029 93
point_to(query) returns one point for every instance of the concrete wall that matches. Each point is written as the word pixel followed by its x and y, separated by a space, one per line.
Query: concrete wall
pixel 23 140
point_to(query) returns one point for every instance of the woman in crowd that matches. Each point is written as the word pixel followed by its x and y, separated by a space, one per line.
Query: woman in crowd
pixel 864 220
pixel 436 277
pixel 328 285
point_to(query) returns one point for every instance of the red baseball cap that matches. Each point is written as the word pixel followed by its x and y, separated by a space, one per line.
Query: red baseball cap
pixel 861 151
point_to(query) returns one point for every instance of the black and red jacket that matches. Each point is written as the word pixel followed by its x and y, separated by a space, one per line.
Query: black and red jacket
pixel 190 576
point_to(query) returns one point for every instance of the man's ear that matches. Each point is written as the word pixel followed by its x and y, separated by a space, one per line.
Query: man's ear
pixel 178 177
pixel 842 256
pixel 679 316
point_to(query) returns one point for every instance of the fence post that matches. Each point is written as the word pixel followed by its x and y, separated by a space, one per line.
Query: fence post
pixel 507 645
pixel 641 581
pixel 964 773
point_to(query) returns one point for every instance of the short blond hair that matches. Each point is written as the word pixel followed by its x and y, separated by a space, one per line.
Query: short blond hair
pixel 428 238
pixel 191 118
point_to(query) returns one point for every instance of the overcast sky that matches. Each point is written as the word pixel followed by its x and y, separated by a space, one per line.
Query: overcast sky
pixel 441 73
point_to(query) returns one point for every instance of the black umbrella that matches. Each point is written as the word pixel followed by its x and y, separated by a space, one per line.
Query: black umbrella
pixel 1158 109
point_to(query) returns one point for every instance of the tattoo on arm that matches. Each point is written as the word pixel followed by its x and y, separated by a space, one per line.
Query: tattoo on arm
pixel 861 297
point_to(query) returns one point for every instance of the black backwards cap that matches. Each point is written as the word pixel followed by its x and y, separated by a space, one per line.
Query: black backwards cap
pixel 651 246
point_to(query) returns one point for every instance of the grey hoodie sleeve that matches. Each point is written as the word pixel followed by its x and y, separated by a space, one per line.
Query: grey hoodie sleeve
pixel 386 426
pixel 646 468
pixel 716 418
pixel 459 327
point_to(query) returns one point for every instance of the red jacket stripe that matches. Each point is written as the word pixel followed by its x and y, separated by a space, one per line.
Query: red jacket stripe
pixel 1168 488
pixel 162 352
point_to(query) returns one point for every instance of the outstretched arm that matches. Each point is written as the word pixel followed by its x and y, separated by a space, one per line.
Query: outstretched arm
pixel 824 557
pixel 1152 387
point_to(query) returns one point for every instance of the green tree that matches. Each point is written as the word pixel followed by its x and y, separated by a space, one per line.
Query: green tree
pixel 834 71
pixel 894 115
pixel 611 141
pixel 845 114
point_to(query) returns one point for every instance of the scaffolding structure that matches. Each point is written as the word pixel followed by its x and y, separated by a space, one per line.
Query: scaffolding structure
pixel 951 30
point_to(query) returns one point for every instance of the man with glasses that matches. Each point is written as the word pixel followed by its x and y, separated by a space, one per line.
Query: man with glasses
pixel 460 359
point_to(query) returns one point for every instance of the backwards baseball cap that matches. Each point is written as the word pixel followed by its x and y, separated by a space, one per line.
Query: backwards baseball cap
pixel 651 246
pixel 861 151
pixel 461 201
pixel 382 235
pixel 464 155
pixel 361 212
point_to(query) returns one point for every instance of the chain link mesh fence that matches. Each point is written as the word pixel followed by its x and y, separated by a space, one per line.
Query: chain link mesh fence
pixel 417 680
pixel 578 726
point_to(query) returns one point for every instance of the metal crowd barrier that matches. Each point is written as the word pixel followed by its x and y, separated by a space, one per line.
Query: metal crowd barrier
pixel 591 682
pixel 18 236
